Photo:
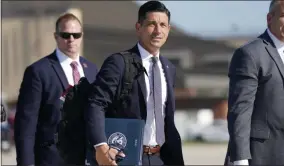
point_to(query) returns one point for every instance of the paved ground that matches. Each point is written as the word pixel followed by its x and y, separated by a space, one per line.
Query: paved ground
pixel 204 154
pixel 194 154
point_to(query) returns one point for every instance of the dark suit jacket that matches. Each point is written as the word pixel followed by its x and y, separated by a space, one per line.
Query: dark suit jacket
pixel 256 103
pixel 38 110
pixel 105 89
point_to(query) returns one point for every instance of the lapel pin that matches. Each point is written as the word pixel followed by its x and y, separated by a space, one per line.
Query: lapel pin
pixel 85 65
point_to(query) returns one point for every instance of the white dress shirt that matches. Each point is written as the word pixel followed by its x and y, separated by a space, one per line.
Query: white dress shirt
pixel 65 62
pixel 150 126
pixel 278 44
pixel 280 49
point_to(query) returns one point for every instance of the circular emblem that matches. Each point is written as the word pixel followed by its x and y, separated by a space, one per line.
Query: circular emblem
pixel 117 140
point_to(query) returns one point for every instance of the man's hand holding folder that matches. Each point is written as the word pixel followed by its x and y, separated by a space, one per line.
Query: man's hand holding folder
pixel 106 155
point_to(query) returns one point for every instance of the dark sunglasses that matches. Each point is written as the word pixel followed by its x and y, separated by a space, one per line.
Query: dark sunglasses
pixel 66 35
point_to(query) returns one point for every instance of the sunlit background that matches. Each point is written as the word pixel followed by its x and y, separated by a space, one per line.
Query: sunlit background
pixel 203 38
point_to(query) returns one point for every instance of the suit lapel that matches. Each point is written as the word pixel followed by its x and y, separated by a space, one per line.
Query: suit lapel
pixel 87 72
pixel 141 78
pixel 58 70
pixel 272 50
pixel 169 80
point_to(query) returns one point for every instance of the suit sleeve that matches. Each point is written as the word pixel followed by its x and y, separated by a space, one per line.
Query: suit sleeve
pixel 26 117
pixel 174 85
pixel 243 83
pixel 102 94
pixel 174 77
pixel 95 69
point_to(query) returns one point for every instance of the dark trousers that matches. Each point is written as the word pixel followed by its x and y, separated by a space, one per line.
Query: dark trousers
pixel 151 159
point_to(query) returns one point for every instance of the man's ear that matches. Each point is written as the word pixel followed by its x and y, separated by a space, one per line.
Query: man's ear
pixel 138 27
pixel 55 35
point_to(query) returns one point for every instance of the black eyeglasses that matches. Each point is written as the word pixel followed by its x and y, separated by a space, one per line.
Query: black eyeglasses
pixel 66 35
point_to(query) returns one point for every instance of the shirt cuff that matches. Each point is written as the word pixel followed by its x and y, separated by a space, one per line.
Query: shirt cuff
pixel 103 143
pixel 241 162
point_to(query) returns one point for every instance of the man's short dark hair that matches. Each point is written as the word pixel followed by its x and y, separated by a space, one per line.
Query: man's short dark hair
pixel 65 17
pixel 152 6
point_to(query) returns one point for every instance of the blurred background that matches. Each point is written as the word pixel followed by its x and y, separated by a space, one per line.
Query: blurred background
pixel 202 40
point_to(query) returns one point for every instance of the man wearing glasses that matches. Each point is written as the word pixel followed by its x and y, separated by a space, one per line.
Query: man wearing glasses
pixel 38 107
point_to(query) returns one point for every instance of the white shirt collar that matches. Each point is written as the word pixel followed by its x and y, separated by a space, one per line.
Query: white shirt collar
pixel 278 44
pixel 64 59
pixel 145 55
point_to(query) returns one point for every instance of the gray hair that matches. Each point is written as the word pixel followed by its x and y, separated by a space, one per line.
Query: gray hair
pixel 273 4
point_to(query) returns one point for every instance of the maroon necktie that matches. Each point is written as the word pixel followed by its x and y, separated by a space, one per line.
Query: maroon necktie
pixel 76 74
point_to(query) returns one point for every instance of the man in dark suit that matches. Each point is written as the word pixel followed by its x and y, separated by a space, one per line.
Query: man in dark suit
pixel 162 143
pixel 38 107
pixel 256 96
pixel 3 113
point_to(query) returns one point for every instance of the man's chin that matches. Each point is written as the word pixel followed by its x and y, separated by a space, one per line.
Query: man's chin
pixel 71 53
pixel 156 45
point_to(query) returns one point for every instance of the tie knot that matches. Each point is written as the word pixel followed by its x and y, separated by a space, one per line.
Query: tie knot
pixel 74 64
pixel 154 59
